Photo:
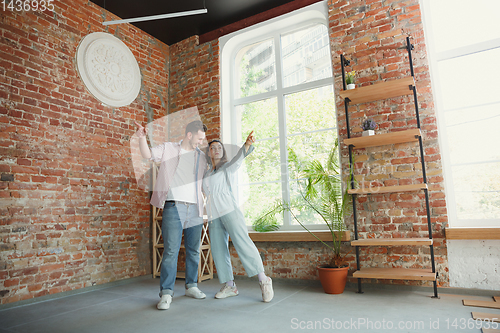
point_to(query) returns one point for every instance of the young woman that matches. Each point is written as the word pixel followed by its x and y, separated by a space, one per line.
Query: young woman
pixel 226 219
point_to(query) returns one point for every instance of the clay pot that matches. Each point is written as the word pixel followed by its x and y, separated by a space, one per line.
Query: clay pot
pixel 333 280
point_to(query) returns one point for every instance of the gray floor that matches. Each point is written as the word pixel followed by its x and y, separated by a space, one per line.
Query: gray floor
pixel 131 307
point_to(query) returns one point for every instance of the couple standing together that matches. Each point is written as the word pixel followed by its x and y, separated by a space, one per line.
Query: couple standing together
pixel 178 191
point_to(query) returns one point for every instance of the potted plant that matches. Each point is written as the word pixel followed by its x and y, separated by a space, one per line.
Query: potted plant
pixel 368 127
pixel 321 190
pixel 349 79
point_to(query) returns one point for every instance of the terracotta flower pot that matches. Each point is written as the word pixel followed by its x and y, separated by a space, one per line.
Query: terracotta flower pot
pixel 333 280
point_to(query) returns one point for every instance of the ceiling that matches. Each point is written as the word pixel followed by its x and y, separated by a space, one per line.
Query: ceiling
pixel 172 30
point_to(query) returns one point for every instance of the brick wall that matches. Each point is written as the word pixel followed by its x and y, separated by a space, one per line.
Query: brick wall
pixel 71 212
pixel 194 81
pixel 372 34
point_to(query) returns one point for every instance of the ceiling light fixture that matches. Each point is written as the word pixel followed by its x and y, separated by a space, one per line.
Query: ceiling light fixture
pixel 157 17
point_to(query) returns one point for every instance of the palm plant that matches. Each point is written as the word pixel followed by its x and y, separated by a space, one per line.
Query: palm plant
pixel 320 188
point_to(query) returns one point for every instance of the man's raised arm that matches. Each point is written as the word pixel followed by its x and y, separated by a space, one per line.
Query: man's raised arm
pixel 143 141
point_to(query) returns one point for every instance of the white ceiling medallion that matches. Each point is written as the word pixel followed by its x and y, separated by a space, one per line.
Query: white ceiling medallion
pixel 108 69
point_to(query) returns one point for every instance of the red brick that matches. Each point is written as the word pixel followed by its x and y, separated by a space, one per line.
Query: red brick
pixel 51 268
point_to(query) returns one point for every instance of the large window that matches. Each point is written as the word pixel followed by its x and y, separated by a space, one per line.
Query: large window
pixel 278 83
pixel 464 48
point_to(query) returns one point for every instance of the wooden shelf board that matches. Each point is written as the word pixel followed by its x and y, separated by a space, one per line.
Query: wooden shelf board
pixel 392 242
pixel 388 189
pixel 491 317
pixel 296 236
pixel 206 277
pixel 472 233
pixel 377 91
pixel 482 304
pixel 182 275
pixel 396 274
pixel 410 135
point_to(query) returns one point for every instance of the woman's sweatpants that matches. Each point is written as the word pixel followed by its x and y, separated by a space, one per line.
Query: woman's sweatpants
pixel 233 224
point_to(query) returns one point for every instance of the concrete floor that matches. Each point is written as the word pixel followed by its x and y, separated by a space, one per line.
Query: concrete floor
pixel 130 306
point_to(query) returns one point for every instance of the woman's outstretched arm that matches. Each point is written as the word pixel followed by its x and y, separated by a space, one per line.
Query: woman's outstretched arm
pixel 246 149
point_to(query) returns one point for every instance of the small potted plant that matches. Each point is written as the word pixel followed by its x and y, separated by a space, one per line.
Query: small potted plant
pixel 368 127
pixel 349 79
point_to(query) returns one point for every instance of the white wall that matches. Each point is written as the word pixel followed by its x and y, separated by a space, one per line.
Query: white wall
pixel 474 264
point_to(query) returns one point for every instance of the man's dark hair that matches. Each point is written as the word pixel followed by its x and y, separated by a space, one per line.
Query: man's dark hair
pixel 195 126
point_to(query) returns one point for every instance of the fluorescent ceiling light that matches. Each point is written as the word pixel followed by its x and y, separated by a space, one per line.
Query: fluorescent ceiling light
pixel 157 17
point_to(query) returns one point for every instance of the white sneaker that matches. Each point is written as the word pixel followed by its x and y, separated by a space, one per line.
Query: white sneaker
pixel 164 303
pixel 194 292
pixel 267 290
pixel 227 291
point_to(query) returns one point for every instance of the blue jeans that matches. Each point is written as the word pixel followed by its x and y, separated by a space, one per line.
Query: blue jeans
pixel 174 216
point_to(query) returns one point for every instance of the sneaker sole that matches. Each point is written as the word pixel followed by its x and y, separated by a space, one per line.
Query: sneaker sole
pixel 196 297
pixel 162 308
pixel 225 296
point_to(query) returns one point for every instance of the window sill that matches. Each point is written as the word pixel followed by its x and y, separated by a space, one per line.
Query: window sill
pixel 295 236
pixel 472 233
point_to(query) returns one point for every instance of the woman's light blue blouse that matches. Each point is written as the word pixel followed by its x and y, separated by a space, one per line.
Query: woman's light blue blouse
pixel 218 186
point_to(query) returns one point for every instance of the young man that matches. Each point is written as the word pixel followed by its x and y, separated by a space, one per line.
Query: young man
pixel 178 191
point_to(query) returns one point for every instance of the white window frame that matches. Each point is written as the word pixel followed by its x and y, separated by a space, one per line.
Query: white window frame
pixel 434 58
pixel 231 44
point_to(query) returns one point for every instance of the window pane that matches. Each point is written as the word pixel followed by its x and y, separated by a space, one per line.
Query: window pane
pixel 477 191
pixel 256 199
pixel 256 69
pixel 310 110
pixel 465 130
pixel 465 82
pixel 263 164
pixel 305 216
pixel 311 146
pixel 260 117
pixel 306 56
pixel 481 20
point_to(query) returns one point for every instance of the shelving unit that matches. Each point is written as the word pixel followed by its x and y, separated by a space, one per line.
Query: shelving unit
pixel 375 92
pixel 206 265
